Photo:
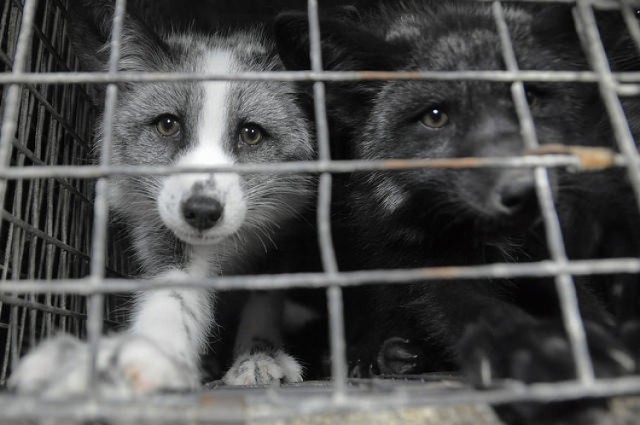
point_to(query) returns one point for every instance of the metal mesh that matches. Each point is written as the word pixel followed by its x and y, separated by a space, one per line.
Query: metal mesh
pixel 46 227
pixel 53 239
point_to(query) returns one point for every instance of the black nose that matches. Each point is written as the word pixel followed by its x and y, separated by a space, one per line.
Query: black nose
pixel 517 195
pixel 201 212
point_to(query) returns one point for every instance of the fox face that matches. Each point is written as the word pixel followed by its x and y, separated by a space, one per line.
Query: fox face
pixel 446 119
pixel 202 123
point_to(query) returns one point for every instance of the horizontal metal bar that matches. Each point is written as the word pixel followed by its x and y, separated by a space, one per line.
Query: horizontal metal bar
pixel 628 90
pixel 32 230
pixel 56 115
pixel 340 166
pixel 6 215
pixel 9 300
pixel 40 307
pixel 538 269
pixel 37 163
pixel 599 4
pixel 43 38
pixel 326 76
pixel 240 405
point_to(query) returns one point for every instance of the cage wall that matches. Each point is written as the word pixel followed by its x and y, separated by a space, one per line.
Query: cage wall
pixel 48 234
pixel 47 223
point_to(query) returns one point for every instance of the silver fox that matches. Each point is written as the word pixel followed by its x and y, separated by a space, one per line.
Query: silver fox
pixel 187 226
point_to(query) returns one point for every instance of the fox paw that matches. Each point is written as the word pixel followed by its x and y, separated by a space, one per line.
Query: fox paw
pixel 262 368
pixel 399 356
pixel 126 365
pixel 538 352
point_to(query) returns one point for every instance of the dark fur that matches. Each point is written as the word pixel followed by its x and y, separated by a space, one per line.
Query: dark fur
pixel 457 217
pixel 623 229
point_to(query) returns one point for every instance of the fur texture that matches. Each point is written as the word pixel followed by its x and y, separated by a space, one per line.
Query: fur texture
pixel 489 329
pixel 187 226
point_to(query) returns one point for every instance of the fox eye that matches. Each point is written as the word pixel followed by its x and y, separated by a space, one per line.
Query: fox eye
pixel 251 134
pixel 435 118
pixel 167 125
pixel 534 96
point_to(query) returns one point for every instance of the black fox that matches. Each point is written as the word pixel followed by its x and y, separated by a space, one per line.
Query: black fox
pixel 488 328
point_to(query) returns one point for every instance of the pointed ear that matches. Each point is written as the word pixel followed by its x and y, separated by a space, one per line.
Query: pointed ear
pixel 555 23
pixel 345 44
pixel 90 34
pixel 90 25
pixel 344 12
pixel 618 42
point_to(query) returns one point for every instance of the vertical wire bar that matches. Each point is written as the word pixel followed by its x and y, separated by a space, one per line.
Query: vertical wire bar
pixel 12 99
pixel 12 336
pixel 4 33
pixel 37 113
pixel 315 47
pixel 6 21
pixel 59 217
pixel 95 305
pixel 565 286
pixel 632 23
pixel 23 191
pixel 8 129
pixel 49 157
pixel 4 364
pixel 588 32
pixel 329 263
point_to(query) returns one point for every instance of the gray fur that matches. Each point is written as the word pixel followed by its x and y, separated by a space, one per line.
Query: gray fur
pixel 272 198
pixel 169 328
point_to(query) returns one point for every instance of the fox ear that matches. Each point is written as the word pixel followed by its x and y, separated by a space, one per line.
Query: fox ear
pixel 90 35
pixel 555 23
pixel 345 44
pixel 90 25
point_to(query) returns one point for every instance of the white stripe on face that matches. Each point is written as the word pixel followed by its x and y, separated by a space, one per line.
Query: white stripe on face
pixel 213 120
pixel 207 149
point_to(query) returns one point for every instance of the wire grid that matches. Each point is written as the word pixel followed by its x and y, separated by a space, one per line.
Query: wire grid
pixel 45 233
pixel 35 225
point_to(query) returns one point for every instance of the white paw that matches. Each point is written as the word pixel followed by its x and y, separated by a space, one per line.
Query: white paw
pixel 262 368
pixel 126 365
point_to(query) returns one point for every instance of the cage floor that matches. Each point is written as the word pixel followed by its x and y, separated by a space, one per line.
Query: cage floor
pixel 373 402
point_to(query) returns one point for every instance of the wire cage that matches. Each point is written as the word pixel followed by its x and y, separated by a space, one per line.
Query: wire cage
pixel 46 233
pixel 60 271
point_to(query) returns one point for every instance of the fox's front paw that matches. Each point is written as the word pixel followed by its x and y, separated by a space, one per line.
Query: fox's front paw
pixel 263 367
pixel 538 352
pixel 400 356
pixel 126 365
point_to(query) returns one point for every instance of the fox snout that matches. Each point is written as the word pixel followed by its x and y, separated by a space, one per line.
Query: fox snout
pixel 201 208
pixel 515 195
pixel 508 193
pixel 201 212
